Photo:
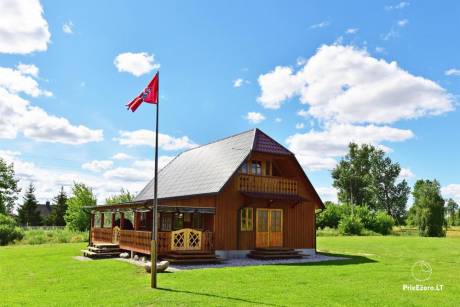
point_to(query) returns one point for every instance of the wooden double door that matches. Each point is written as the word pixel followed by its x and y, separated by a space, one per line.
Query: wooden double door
pixel 269 227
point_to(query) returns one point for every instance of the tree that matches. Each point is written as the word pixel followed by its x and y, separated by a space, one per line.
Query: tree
pixel 9 230
pixel 352 176
pixel 451 209
pixel 9 189
pixel 28 213
pixel 429 208
pixel 76 217
pixel 59 209
pixel 389 195
pixel 123 197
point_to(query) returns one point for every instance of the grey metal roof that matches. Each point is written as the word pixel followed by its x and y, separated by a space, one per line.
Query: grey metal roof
pixel 202 170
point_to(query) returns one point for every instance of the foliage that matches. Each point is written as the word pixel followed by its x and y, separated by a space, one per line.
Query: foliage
pixel 365 176
pixel 123 197
pixel 329 217
pixel 56 217
pixel 453 212
pixel 43 236
pixel 429 208
pixel 76 218
pixel 327 232
pixel 382 223
pixel 350 225
pixel 9 189
pixel 28 213
pixel 9 230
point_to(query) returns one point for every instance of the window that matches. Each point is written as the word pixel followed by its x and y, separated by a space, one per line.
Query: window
pixel 246 219
pixel 268 168
pixel 196 221
pixel 166 222
pixel 178 221
pixel 143 219
pixel 256 167
pixel 244 168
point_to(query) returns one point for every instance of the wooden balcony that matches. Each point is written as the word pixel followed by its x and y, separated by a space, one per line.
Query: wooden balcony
pixel 267 184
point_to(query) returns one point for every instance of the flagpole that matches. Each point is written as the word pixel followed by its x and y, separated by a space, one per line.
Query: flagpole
pixel 153 279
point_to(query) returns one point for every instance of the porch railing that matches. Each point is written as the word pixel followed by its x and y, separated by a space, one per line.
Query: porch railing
pixel 267 184
pixel 102 235
pixel 137 241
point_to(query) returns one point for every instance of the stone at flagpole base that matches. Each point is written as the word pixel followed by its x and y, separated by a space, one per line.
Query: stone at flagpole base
pixel 161 266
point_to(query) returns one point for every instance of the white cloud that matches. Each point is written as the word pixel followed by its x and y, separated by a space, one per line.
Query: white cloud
pixel 19 116
pixel 406 173
pixel 301 61
pixel 352 31
pixel 303 113
pixel 145 137
pixel 347 85
pixel 452 72
pixel 322 24
pixel 398 6
pixel 97 165
pixel 318 150
pixel 23 29
pixel 254 117
pixel 278 120
pixel 451 191
pixel 403 22
pixel 327 194
pixel 67 27
pixel 122 156
pixel 141 170
pixel 379 49
pixel 137 64
pixel 299 126
pixel 20 80
pixel 238 82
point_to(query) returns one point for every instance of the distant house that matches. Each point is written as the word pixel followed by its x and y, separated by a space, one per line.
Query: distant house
pixel 242 195
pixel 45 210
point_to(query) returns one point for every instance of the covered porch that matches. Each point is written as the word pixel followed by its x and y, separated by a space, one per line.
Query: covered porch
pixel 180 229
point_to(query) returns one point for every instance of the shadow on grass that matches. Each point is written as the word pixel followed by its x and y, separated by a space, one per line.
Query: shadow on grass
pixel 235 299
pixel 351 259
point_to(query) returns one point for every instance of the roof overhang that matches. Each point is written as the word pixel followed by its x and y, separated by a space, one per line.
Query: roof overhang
pixel 148 205
pixel 275 196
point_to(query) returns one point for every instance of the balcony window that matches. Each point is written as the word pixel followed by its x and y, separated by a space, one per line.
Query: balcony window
pixel 268 168
pixel 244 168
pixel 256 167
pixel 246 219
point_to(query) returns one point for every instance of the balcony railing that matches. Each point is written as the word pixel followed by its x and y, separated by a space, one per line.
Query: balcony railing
pixel 267 184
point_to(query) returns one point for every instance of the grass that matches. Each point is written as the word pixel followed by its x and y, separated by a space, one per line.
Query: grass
pixel 42 236
pixel 47 275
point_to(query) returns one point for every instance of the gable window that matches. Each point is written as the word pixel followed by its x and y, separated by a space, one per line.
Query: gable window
pixel 246 219
pixel 244 168
pixel 256 167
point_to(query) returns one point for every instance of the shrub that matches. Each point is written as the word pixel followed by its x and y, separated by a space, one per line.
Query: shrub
pixel 41 236
pixel 329 217
pixel 350 225
pixel 383 223
pixel 327 232
pixel 9 231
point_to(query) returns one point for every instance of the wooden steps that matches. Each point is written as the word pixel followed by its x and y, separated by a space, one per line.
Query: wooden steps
pixel 275 253
pixel 192 257
pixel 102 250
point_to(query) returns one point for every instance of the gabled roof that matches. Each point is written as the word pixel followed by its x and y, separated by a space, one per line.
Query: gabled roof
pixel 207 168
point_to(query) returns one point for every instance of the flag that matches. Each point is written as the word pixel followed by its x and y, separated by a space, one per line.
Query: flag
pixel 149 95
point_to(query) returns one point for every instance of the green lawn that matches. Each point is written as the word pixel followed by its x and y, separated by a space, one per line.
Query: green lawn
pixel 47 275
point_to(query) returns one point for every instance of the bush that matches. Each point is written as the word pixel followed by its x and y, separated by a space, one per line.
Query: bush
pixel 383 223
pixel 329 217
pixel 9 231
pixel 327 232
pixel 42 236
pixel 350 225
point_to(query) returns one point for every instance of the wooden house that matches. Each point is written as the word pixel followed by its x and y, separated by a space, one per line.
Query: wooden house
pixel 242 195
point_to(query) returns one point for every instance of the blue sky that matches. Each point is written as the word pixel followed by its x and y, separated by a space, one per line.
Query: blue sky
pixel 312 74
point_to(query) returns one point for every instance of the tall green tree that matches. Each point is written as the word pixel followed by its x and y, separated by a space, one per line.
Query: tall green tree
pixel 9 189
pixel 76 217
pixel 429 208
pixel 389 194
pixel 59 209
pixel 452 208
pixel 123 197
pixel 352 175
pixel 28 213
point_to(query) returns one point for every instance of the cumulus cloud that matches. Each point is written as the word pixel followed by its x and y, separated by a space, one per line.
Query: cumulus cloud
pixel 35 123
pixel 299 126
pixel 406 173
pixel 97 165
pixel 144 137
pixel 254 117
pixel 141 170
pixel 452 72
pixel 137 64
pixel 451 191
pixel 67 27
pixel 347 85
pixel 318 150
pixel 21 80
pixel 122 156
pixel 23 28
pixel 327 194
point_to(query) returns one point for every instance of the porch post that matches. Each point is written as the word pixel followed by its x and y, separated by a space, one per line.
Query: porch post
pixel 113 219
pixel 102 219
pixel 136 220
pixel 122 220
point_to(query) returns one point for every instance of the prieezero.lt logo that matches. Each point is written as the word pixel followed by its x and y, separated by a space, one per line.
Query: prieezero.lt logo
pixel 421 270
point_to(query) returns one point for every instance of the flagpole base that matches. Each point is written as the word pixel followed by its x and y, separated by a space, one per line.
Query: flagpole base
pixel 153 271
